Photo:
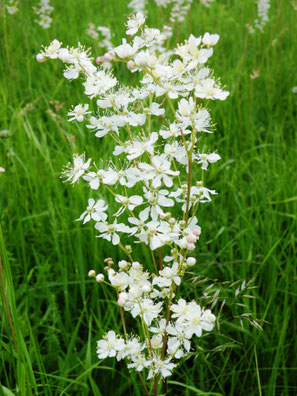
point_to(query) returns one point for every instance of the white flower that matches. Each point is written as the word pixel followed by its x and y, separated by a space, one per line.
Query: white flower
pixel 159 170
pixel 204 159
pixel 95 179
pixel 177 339
pixel 110 345
pixel 75 171
pixel 147 309
pixel 109 231
pixel 132 350
pixel 161 327
pixel 156 199
pixel 168 275
pixel 210 39
pixel 126 50
pixel 119 280
pixel 128 202
pixel 139 362
pixel 207 89
pixel 157 234
pixel 52 50
pixel 134 23
pixel 159 366
pixel 94 211
pixel 104 124
pixel 139 223
pixel 79 112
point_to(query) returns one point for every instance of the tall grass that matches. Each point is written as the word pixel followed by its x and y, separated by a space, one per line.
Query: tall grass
pixel 249 230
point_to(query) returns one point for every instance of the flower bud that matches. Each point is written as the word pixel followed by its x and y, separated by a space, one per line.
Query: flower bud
pixel 187 231
pixel 123 297
pixel 100 278
pixel 191 261
pixel 197 232
pixel 191 238
pixel 109 56
pixel 92 273
pixel 182 224
pixel 130 65
pixel 123 264
pixel 172 220
pixel 99 60
pixel 128 249
pixel 40 58
pixel 136 265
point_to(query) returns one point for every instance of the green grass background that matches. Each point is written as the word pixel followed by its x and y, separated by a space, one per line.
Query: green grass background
pixel 249 230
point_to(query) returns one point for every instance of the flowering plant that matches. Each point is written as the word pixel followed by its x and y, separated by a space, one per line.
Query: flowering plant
pixel 157 129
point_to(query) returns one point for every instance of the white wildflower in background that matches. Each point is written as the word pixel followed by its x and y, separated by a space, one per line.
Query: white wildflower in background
pixel 137 6
pixel 207 3
pixel 262 11
pixel 12 6
pixel 262 16
pixel 43 12
pixel 294 90
pixel 101 34
pixel 178 8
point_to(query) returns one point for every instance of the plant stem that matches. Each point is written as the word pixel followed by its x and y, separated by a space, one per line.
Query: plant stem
pixel 7 308
pixel 155 385
pixel 143 383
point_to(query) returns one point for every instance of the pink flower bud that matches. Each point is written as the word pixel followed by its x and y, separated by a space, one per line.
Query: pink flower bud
pixel 99 60
pixel 191 238
pixel 130 65
pixel 109 56
pixel 92 273
pixel 40 58
pixel 196 232
pixel 123 297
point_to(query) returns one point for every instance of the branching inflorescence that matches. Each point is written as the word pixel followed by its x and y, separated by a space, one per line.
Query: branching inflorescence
pixel 157 128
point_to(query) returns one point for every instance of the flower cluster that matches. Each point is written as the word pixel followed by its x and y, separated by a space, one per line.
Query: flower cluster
pixel 12 6
pixel 101 34
pixel 179 8
pixel 43 12
pixel 157 129
pixel 137 294
pixel 262 16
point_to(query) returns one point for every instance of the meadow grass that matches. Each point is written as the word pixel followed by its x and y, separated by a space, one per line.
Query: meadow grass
pixel 249 230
